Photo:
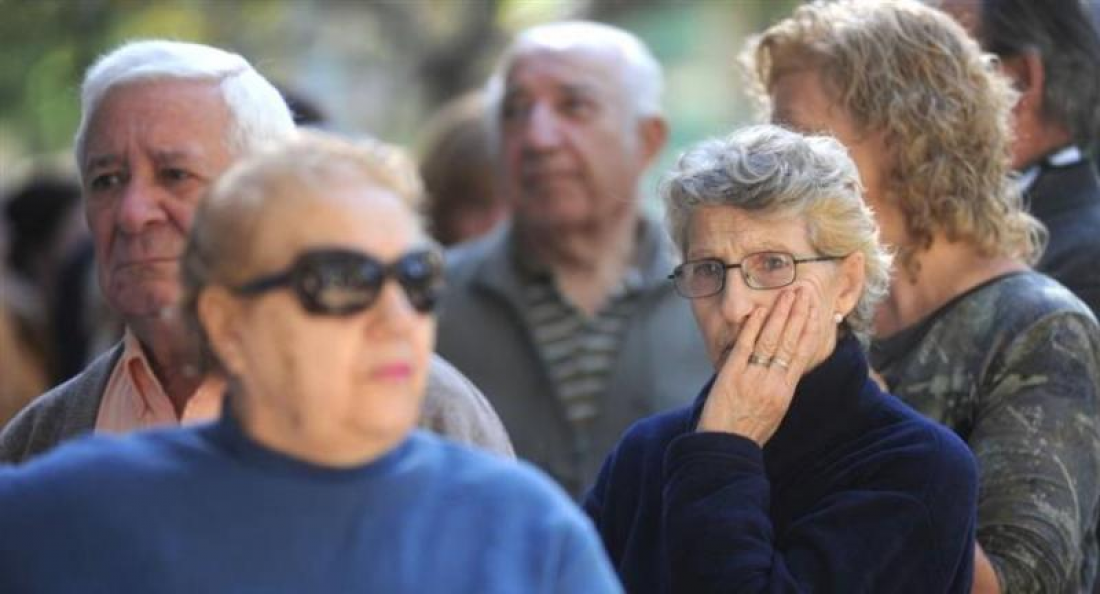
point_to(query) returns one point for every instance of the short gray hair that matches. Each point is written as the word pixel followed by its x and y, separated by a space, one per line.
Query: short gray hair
pixel 258 113
pixel 641 76
pixel 771 171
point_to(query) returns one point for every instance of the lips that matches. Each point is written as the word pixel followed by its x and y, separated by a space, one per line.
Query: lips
pixel 392 372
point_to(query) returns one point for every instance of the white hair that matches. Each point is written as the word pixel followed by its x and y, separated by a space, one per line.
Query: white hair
pixel 258 113
pixel 641 77
pixel 771 171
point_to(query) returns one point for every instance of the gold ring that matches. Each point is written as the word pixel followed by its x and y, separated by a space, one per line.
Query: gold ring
pixel 755 359
pixel 782 363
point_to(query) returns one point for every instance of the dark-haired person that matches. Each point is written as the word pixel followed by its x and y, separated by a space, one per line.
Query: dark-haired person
pixel 1051 51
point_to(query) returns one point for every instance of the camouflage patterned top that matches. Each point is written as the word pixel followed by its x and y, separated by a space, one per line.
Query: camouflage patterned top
pixel 1013 366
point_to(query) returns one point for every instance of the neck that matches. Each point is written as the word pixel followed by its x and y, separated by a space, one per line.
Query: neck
pixel 946 270
pixel 172 352
pixel 1040 142
pixel 292 436
pixel 587 262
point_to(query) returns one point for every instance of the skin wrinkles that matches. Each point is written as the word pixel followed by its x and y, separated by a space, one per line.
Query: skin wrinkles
pixel 153 149
pixel 729 234
pixel 572 157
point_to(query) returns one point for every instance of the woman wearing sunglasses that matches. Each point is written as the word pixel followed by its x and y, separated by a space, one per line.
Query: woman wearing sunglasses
pixel 313 286
pixel 792 471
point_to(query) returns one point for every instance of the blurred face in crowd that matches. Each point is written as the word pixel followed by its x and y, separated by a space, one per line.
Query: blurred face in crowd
pixel 731 235
pixel 152 150
pixel 572 146
pixel 801 102
pixel 317 379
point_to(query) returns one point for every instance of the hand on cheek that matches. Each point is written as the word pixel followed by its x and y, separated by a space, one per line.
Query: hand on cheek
pixel 754 388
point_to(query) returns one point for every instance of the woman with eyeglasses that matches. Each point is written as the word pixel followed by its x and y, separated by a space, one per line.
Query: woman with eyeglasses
pixel 793 470
pixel 969 335
pixel 313 286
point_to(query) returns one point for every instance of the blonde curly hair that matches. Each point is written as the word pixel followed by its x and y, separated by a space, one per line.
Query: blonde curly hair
pixel 910 72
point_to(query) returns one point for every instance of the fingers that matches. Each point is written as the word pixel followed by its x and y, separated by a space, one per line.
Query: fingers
pixel 743 347
pixel 772 334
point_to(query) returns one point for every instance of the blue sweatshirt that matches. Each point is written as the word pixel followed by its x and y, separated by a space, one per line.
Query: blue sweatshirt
pixel 206 509
pixel 855 492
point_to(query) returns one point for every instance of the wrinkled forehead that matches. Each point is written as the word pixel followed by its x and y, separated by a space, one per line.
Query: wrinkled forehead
pixel 595 67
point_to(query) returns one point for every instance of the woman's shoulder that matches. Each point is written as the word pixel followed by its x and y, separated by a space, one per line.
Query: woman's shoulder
pixel 1018 299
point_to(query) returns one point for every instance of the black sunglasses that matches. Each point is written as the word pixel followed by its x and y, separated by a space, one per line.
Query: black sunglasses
pixel 336 282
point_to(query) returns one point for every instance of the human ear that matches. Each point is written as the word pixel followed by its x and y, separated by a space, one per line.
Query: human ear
pixel 849 283
pixel 218 314
pixel 653 134
pixel 1028 77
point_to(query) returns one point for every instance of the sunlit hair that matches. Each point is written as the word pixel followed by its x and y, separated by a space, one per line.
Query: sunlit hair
pixel 910 72
pixel 258 113
pixel 304 169
pixel 640 75
pixel 772 172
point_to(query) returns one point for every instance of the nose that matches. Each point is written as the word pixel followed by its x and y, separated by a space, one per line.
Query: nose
pixel 393 313
pixel 138 206
pixel 738 300
pixel 543 128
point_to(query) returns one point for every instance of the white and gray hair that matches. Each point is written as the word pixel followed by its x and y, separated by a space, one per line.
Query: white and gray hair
pixel 770 171
pixel 641 76
pixel 258 113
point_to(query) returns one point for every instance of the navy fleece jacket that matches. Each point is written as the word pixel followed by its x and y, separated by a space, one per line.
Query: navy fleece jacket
pixel 855 492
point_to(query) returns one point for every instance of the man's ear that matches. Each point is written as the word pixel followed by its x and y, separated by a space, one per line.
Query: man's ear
pixel 1028 77
pixel 653 135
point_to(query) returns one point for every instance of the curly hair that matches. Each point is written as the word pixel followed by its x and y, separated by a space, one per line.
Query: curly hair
pixel 910 72
pixel 771 171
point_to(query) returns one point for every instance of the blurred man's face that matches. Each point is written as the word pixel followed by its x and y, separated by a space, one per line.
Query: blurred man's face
pixel 151 150
pixel 571 146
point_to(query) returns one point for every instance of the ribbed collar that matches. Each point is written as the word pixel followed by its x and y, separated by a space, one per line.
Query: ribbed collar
pixel 827 405
pixel 227 434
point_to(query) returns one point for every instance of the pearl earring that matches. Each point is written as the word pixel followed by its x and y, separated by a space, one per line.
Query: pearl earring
pixel 838 317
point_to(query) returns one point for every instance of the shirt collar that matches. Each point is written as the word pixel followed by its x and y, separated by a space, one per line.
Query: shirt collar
pixel 1061 158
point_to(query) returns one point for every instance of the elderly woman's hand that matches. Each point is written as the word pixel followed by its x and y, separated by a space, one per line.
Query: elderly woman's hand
pixel 755 385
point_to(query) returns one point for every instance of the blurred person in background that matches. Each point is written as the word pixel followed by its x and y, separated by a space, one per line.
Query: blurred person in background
pixel 312 286
pixel 44 221
pixel 563 316
pixel 969 334
pixel 1051 52
pixel 160 122
pixel 459 169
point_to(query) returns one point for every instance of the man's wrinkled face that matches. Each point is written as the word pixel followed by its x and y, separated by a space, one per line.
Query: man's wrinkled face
pixel 571 147
pixel 152 149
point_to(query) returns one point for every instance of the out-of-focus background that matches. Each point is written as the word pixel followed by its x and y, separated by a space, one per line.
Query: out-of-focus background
pixel 374 67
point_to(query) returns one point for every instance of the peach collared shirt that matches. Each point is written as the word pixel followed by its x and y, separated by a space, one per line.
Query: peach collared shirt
pixel 134 398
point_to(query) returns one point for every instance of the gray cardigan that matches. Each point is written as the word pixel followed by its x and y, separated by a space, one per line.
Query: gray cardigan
pixel 453 407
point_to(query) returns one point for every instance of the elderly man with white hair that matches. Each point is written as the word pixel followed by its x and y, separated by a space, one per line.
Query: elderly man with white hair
pixel 565 317
pixel 160 122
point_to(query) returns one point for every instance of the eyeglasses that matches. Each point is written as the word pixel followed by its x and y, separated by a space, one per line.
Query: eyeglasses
pixel 337 282
pixel 763 270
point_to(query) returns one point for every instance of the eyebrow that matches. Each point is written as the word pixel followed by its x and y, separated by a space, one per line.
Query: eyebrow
pixel 163 156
